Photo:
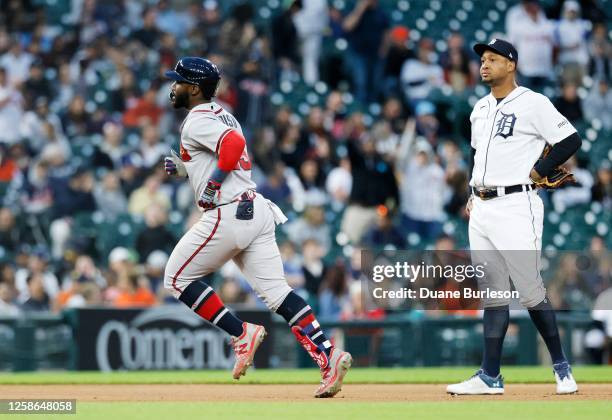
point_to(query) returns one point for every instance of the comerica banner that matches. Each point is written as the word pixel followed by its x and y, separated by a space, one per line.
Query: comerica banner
pixel 165 337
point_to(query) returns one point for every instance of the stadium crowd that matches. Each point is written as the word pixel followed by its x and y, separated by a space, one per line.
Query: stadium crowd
pixel 372 160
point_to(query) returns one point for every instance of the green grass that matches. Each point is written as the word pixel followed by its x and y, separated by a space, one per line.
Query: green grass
pixel 437 375
pixel 325 409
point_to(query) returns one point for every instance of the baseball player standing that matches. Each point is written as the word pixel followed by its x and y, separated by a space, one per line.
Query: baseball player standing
pixel 510 129
pixel 237 223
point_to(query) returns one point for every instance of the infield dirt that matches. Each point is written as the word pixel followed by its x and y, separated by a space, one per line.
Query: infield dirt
pixel 290 393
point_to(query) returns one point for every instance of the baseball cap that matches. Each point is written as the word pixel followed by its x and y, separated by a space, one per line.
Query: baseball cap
pixel 119 254
pixel 499 46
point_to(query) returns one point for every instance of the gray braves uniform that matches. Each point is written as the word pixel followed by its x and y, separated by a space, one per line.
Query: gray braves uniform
pixel 218 236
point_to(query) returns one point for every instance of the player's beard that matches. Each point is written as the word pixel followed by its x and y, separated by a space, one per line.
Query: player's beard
pixel 180 100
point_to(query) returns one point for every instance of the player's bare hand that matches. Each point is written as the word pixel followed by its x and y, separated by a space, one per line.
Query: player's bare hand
pixel 469 206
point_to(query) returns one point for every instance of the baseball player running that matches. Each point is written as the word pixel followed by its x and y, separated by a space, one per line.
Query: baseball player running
pixel 237 223
pixel 510 128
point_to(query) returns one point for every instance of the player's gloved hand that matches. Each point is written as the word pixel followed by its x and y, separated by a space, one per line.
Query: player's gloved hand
pixel 555 179
pixel 208 199
pixel 173 165
pixel 558 177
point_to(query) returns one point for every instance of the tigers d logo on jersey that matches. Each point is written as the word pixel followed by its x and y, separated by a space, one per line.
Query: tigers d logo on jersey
pixel 505 125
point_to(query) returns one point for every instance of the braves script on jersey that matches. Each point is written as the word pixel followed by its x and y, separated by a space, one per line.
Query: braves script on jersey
pixel 510 136
pixel 202 133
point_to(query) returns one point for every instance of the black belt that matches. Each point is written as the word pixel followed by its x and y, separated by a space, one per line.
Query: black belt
pixel 493 192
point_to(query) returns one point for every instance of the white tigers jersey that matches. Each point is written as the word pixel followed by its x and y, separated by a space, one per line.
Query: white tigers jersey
pixel 509 137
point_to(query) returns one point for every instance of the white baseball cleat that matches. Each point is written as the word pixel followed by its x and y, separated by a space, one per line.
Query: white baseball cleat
pixel 332 376
pixel 245 347
pixel 479 384
pixel 565 380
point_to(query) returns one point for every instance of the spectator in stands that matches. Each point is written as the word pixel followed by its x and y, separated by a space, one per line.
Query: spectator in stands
pixel 374 184
pixel 427 123
pixel 311 176
pixel 602 188
pixel 76 121
pixel 333 297
pixel 8 307
pixel 422 74
pixel 38 300
pixel 571 36
pixel 154 269
pixel 73 194
pixel 366 27
pixel 598 104
pixel 130 173
pixel 313 267
pixel 36 85
pixel 110 199
pixel 459 70
pixel 339 183
pixel 311 23
pixel 38 266
pixel 17 63
pixel 397 52
pixel 133 292
pixel 11 109
pixel 8 166
pixel 285 45
pixel 574 194
pixel 292 265
pixel 569 104
pixel 144 110
pixel 275 187
pixel 292 146
pixel 111 151
pixel 423 189
pixel 600 65
pixel 40 127
pixel 10 234
pixel 155 235
pixel 149 33
pixel 171 20
pixel 150 147
pixel 312 225
pixel 384 233
pixel 533 36
pixel 30 190
pixel 231 292
pixel 393 113
pixel 82 286
pixel 148 195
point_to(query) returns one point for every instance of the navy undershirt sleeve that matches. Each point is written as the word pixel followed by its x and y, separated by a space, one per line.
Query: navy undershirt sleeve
pixel 559 153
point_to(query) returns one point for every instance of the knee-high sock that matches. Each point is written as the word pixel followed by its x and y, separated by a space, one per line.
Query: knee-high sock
pixel 298 313
pixel 543 316
pixel 495 322
pixel 202 299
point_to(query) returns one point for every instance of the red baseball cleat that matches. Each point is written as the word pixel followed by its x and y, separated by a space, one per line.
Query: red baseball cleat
pixel 245 347
pixel 332 376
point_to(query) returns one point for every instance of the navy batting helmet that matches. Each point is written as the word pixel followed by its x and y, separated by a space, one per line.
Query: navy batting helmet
pixel 197 71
